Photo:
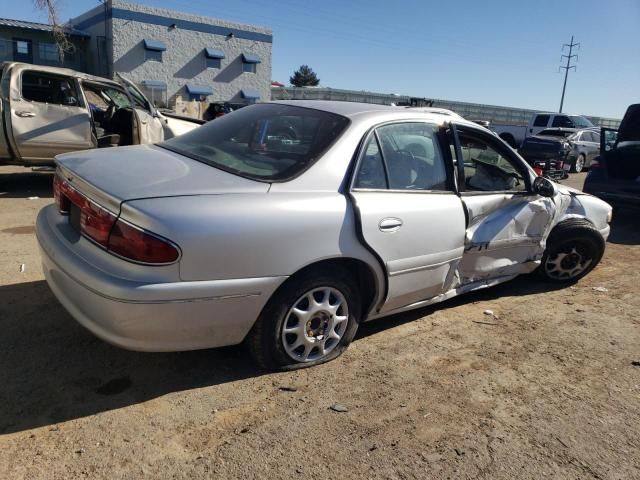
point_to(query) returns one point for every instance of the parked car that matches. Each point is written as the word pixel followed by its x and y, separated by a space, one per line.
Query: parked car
pixel 46 111
pixel 547 151
pixel 570 149
pixel 615 174
pixel 234 232
pixel 514 135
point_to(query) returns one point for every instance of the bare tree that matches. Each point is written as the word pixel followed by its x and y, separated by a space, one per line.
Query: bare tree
pixel 62 41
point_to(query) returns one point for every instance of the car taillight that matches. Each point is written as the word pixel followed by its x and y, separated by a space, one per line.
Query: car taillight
pixel 96 222
pixel 596 164
pixel 115 235
pixel 62 202
pixel 138 245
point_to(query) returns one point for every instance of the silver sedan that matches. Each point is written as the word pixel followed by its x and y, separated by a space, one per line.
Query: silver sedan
pixel 285 225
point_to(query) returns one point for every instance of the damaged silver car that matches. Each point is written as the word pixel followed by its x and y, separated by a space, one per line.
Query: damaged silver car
pixel 285 225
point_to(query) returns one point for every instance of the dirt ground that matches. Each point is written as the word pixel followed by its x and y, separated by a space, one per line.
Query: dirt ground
pixel 545 389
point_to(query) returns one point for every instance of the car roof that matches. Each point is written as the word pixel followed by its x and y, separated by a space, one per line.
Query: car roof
pixel 59 70
pixel 365 111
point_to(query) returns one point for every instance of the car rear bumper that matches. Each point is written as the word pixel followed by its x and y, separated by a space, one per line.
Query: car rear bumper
pixel 166 316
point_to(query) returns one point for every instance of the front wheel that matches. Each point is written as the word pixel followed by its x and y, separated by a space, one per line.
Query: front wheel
pixel 310 320
pixel 574 248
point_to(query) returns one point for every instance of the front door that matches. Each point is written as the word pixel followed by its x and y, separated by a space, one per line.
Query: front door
pixel 507 223
pixel 47 115
pixel 409 213
pixel 150 126
pixel 22 50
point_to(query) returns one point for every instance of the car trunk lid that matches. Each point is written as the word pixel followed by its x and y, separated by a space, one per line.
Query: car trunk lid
pixel 112 176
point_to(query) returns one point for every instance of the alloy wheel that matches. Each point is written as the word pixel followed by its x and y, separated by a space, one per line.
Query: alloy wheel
pixel 568 264
pixel 315 324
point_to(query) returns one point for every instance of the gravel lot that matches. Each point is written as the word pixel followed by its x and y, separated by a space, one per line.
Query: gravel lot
pixel 546 388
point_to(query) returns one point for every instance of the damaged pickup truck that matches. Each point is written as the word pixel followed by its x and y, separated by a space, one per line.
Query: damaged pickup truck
pixel 46 111
pixel 287 224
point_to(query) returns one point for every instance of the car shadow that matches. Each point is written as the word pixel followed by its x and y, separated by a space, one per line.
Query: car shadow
pixel 26 184
pixel 520 286
pixel 53 370
pixel 624 228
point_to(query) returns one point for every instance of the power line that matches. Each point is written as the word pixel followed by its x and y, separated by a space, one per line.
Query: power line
pixel 568 67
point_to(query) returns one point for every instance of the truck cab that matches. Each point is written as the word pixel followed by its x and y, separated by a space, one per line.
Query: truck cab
pixel 47 111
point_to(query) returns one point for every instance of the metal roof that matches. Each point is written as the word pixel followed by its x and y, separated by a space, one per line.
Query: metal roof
pixel 42 27
pixel 250 58
pixel 154 45
pixel 199 89
pixel 213 53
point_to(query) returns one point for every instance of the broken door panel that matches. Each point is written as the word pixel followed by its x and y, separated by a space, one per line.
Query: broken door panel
pixel 506 232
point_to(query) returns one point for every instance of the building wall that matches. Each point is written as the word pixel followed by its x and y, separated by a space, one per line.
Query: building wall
pixel 96 22
pixel 184 60
pixel 76 60
pixel 471 111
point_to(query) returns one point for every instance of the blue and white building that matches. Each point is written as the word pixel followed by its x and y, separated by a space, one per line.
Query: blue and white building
pixel 172 54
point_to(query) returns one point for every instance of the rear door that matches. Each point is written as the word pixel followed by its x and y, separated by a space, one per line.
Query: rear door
pixel 507 223
pixel 48 116
pixel 409 214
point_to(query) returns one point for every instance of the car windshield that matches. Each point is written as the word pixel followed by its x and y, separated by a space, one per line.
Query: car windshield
pixel 266 142
pixel 581 122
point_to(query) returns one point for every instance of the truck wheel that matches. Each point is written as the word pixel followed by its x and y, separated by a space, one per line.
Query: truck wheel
pixel 310 320
pixel 507 137
pixel 578 164
pixel 574 248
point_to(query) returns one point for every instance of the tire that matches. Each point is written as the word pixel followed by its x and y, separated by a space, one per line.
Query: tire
pixel 507 137
pixel 578 164
pixel 272 348
pixel 574 248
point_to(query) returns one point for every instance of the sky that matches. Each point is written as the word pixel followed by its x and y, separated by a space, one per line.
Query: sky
pixel 493 52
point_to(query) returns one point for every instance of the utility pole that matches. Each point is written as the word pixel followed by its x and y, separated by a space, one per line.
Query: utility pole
pixel 568 67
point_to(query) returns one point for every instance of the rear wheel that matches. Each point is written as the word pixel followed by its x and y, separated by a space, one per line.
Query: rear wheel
pixel 507 137
pixel 310 320
pixel 578 164
pixel 574 248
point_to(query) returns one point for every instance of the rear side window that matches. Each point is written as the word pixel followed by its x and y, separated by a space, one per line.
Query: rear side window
pixel 267 142
pixel 46 88
pixel 371 173
pixel 562 121
pixel 404 156
pixel 541 121
pixel 596 137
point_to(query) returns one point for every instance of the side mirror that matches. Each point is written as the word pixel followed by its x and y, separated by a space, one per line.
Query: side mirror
pixel 543 187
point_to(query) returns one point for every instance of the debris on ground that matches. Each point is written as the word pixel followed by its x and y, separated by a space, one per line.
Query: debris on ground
pixel 23 267
pixel 33 198
pixel 338 407
pixel 600 289
pixel 288 389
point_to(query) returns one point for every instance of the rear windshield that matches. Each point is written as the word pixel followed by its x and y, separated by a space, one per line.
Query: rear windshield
pixel 266 142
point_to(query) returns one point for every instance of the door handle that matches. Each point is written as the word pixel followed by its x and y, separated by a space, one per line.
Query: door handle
pixel 25 114
pixel 389 225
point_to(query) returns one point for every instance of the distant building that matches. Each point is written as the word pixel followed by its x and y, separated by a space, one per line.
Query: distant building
pixel 174 55
pixel 471 111
pixel 33 42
